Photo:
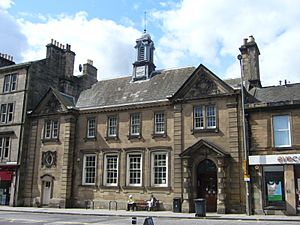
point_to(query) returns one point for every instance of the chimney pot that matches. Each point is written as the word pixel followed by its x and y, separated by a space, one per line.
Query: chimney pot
pixel 251 38
pixel 280 82
pixel 285 82
pixel 89 61
pixel 245 40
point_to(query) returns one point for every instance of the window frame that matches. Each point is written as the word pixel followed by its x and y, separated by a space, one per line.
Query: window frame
pixel 84 169
pixel 281 131
pixel 51 129
pixel 135 117
pixel 162 123
pixel 5 146
pixel 153 172
pixel 202 115
pixel 135 171
pixel 114 170
pixel 10 83
pixel 109 127
pixel 91 129
pixel 7 115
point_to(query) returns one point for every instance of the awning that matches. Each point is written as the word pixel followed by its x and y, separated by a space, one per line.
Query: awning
pixel 6 175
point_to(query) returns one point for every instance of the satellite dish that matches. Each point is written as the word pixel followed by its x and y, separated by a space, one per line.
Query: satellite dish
pixel 80 67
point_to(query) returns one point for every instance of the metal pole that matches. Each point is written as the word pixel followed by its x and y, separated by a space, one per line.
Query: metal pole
pixel 248 200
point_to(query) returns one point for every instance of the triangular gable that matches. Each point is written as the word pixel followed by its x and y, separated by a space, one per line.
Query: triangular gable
pixel 53 102
pixel 203 143
pixel 202 83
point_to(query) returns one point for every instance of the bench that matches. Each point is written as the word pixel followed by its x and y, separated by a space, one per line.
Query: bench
pixel 143 205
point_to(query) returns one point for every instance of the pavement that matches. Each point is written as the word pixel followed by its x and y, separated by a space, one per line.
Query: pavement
pixel 165 214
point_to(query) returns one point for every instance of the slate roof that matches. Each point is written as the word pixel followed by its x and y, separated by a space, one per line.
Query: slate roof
pixel 122 91
pixel 283 93
pixel 67 100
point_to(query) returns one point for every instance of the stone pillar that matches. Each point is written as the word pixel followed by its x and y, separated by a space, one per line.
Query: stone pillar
pixel 187 179
pixel 290 195
pixel 221 187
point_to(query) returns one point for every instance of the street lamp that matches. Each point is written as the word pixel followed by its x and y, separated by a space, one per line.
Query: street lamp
pixel 246 171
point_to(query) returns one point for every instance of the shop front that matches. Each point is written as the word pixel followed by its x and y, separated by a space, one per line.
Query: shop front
pixel 275 183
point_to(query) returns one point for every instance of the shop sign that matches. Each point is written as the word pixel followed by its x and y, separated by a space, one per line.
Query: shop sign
pixel 274 159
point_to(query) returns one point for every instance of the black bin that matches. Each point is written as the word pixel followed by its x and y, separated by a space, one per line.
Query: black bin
pixel 200 207
pixel 177 205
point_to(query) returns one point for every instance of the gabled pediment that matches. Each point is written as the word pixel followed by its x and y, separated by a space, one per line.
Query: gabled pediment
pixel 202 83
pixel 204 147
pixel 54 102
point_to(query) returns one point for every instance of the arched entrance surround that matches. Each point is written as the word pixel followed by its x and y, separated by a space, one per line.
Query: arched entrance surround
pixel 46 189
pixel 207 157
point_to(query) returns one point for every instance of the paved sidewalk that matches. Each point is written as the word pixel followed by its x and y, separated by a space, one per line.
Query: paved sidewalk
pixel 166 214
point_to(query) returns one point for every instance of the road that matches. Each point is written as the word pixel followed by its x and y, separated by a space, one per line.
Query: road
pixel 20 218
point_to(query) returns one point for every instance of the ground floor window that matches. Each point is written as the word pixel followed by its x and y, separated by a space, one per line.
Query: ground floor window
pixel 274 186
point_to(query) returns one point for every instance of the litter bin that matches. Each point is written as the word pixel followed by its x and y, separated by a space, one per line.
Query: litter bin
pixel 177 205
pixel 200 207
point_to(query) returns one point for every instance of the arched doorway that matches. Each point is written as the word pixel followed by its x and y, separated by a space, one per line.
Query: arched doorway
pixel 207 184
pixel 47 184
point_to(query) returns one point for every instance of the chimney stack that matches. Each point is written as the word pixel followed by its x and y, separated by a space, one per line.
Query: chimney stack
pixel 89 69
pixel 6 60
pixel 250 61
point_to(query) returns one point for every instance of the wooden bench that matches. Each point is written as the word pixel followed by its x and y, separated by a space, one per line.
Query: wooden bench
pixel 143 205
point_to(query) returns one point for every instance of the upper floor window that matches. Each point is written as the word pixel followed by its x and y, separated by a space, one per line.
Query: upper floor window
pixel 111 162
pixel 204 117
pixel 159 165
pixel 7 112
pixel 159 123
pixel 4 147
pixel 10 83
pixel 282 131
pixel 135 124
pixel 112 124
pixel 51 129
pixel 89 169
pixel 134 169
pixel 91 128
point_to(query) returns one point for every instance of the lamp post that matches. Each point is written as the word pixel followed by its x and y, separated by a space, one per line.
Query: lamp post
pixel 246 171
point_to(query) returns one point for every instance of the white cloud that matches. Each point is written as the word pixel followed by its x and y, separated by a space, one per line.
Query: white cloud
pixel 212 32
pixel 5 4
pixel 108 44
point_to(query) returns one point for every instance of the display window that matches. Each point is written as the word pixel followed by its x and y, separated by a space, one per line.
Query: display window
pixel 274 186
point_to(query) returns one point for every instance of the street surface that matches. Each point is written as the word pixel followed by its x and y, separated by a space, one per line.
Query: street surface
pixel 13 218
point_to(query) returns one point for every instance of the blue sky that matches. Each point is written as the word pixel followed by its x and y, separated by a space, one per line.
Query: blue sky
pixel 185 33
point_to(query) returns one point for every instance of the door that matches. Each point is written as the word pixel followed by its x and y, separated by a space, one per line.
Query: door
pixel 207 184
pixel 46 192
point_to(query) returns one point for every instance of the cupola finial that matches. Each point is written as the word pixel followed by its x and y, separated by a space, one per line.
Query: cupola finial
pixel 145 22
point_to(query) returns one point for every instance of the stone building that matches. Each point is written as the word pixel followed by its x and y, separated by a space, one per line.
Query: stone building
pixel 21 89
pixel 173 133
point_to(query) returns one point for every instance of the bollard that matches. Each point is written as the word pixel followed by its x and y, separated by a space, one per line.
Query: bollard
pixel 134 220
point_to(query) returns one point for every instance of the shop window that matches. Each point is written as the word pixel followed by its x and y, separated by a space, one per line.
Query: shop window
pixel 281 130
pixel 274 187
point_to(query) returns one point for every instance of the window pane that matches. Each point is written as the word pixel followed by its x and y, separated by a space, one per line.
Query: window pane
pixel 48 129
pixel 13 82
pixel 10 112
pixel 111 169
pixel 6 147
pixel 55 129
pixel 135 169
pixel 159 123
pixel 160 169
pixel 6 83
pixel 90 169
pixel 91 128
pixel 281 129
pixel 135 124
pixel 198 118
pixel 112 126
pixel 211 116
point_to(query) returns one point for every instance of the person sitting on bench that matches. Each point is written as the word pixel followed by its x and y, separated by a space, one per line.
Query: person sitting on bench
pixel 130 203
pixel 152 203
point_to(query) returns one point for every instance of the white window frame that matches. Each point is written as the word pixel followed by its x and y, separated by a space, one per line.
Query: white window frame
pixel 113 169
pixel 155 169
pixel 112 125
pixel 134 168
pixel 10 83
pixel 282 131
pixel 85 167
pixel 6 113
pixel 51 129
pixel 135 124
pixel 5 143
pixel 204 117
pixel 159 123
pixel 91 128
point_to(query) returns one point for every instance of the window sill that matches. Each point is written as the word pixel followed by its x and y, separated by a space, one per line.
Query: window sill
pixel 133 187
pixel 130 137
pixel 283 148
pixel 207 130
pixel 157 188
pixel 114 188
pixel 50 140
pixel 163 135
pixel 90 139
pixel 115 138
pixel 89 185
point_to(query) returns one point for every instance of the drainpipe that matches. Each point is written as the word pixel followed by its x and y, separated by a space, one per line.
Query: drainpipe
pixel 246 167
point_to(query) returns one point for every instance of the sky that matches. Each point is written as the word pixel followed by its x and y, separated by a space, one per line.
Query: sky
pixel 185 33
